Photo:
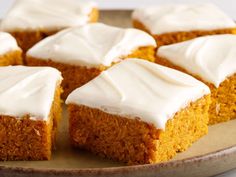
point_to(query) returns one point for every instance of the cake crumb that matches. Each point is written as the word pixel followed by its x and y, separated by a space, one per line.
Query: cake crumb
pixel 217 108
pixel 37 132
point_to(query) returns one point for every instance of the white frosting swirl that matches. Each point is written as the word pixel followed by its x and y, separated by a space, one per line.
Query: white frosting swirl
pixel 46 14
pixel 91 45
pixel 7 43
pixel 138 88
pixel 27 90
pixel 183 17
pixel 211 57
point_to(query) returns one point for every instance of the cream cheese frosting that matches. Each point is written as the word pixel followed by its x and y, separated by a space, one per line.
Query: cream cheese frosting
pixel 46 14
pixel 213 58
pixel 91 45
pixel 27 91
pixel 7 43
pixel 138 88
pixel 183 17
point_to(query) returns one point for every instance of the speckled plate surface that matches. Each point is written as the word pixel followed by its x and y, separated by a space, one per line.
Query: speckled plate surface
pixel 212 154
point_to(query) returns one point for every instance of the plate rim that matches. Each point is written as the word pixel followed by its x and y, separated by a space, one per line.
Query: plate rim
pixel 105 170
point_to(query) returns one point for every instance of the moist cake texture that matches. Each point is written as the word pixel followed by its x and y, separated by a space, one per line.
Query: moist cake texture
pixel 81 54
pixel 172 23
pixel 30 21
pixel 30 109
pixel 211 59
pixel 10 53
pixel 138 112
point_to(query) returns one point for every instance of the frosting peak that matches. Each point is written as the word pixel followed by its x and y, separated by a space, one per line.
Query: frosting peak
pixel 183 17
pixel 91 45
pixel 138 88
pixel 211 57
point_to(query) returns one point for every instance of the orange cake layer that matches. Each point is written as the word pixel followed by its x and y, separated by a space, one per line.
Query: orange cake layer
pixel 223 106
pixel 175 37
pixel 26 39
pixel 76 76
pixel 147 53
pixel 133 141
pixel 11 58
pixel 27 139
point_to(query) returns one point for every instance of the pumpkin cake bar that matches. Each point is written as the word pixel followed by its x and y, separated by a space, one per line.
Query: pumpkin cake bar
pixel 81 53
pixel 211 59
pixel 10 53
pixel 30 109
pixel 29 21
pixel 172 23
pixel 138 112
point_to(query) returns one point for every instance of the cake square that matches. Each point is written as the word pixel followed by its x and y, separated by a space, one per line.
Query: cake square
pixel 30 109
pixel 172 23
pixel 211 59
pixel 30 21
pixel 81 54
pixel 138 112
pixel 10 53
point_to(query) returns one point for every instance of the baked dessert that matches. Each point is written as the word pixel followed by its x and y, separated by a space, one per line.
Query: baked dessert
pixel 172 23
pixel 29 111
pixel 10 53
pixel 211 59
pixel 29 21
pixel 81 54
pixel 138 112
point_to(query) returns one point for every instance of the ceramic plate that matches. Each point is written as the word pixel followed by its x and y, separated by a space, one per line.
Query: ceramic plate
pixel 212 154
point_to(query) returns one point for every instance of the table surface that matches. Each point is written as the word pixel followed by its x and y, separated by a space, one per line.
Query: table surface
pixel 226 5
